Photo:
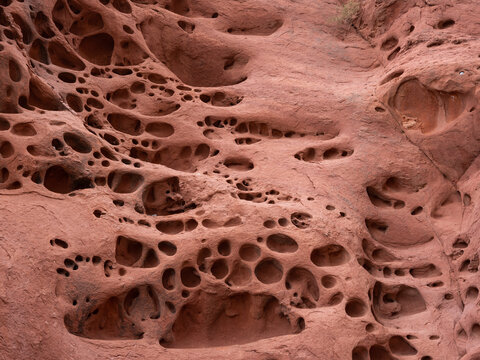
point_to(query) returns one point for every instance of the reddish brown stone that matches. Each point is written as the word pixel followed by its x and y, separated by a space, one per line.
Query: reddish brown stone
pixel 212 179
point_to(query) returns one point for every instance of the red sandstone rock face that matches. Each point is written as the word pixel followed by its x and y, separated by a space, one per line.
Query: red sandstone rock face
pixel 220 179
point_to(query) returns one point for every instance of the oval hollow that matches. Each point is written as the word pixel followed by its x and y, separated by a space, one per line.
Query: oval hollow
pixel 269 271
pixel 281 243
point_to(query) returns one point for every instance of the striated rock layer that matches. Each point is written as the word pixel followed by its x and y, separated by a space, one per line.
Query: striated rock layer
pixel 239 179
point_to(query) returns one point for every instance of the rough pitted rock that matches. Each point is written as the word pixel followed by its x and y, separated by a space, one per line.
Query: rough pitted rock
pixel 225 179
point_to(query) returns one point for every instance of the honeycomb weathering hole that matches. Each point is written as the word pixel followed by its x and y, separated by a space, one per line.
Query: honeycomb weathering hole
pixel 234 320
pixel 427 109
pixel 107 322
pixel 77 143
pixel 165 197
pixel 125 123
pixel 159 129
pixel 269 271
pixel 330 255
pixel 59 180
pixel 97 48
pixel 281 243
pixel 203 65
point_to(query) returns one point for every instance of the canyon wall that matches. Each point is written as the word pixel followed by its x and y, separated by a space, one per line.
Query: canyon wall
pixel 239 179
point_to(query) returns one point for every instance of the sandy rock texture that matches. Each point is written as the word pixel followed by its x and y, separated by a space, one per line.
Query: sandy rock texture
pixel 239 179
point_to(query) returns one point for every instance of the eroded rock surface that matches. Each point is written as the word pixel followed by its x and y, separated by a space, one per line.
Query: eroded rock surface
pixel 222 179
